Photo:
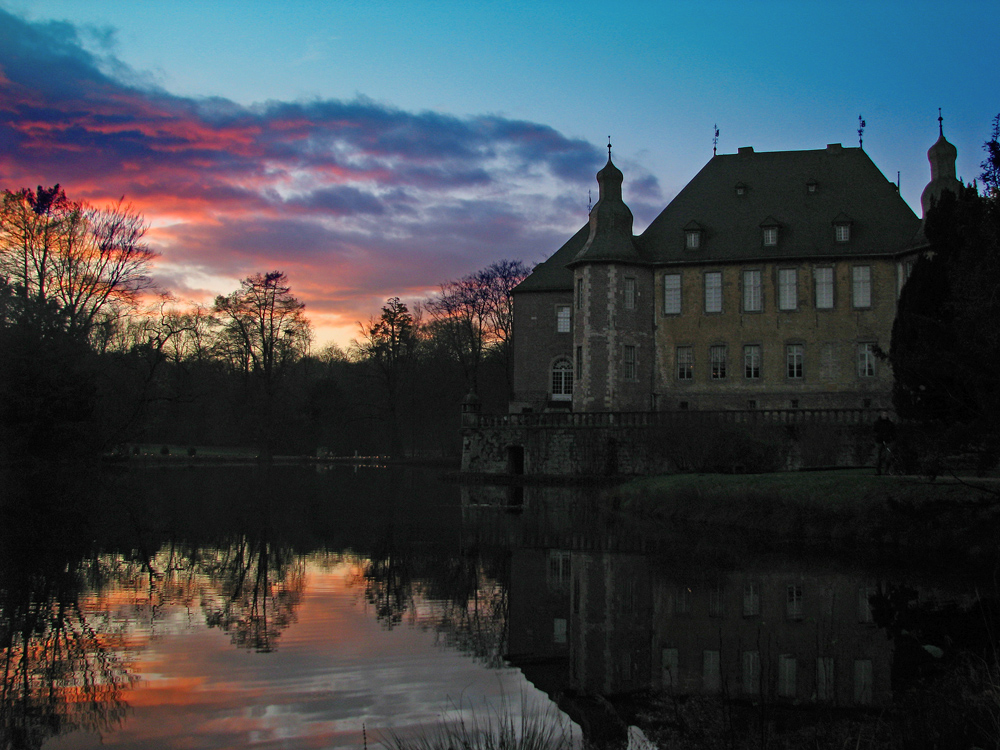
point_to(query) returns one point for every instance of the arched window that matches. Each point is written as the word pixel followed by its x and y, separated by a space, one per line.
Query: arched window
pixel 562 380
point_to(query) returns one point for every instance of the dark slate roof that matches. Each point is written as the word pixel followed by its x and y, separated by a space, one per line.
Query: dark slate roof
pixel 847 184
pixel 552 275
pixel 611 238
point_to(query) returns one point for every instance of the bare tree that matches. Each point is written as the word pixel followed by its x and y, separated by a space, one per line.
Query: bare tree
pixel 90 263
pixel 263 330
pixel 474 316
pixel 389 344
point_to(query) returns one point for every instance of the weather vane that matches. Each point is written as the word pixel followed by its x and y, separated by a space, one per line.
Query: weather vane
pixel 940 123
pixel 590 202
pixel 609 148
pixel 861 131
pixel 715 139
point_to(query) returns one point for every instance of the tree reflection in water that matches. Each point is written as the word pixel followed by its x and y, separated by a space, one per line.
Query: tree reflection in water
pixel 463 597
pixel 256 585
pixel 62 668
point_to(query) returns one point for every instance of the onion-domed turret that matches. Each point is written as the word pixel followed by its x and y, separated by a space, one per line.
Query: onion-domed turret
pixel 610 237
pixel 942 156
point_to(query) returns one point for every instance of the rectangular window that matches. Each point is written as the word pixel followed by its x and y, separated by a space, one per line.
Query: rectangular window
pixel 579 294
pixel 866 360
pixel 715 599
pixel 628 362
pixel 559 571
pixel 793 602
pixel 717 356
pixel 693 239
pixel 788 288
pixel 825 686
pixel 629 294
pixel 672 294
pixel 685 363
pixel 865 594
pixel 559 630
pixel 823 278
pixel 669 666
pixel 861 286
pixel 793 359
pixel 578 373
pixel 751 361
pixel 751 672
pixel 563 319
pixel 713 292
pixel 711 672
pixel 753 300
pixel 863 681
pixel 770 236
pixel 787 668
pixel 843 232
pixel 751 599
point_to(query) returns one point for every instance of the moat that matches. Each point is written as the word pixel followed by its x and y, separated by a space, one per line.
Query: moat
pixel 220 607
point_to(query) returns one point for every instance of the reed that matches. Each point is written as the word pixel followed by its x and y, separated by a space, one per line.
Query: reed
pixel 494 727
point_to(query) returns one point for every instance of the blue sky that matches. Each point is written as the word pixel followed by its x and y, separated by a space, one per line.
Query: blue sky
pixel 380 148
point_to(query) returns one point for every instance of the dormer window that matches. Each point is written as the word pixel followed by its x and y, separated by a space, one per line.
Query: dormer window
pixel 842 228
pixel 769 229
pixel 741 189
pixel 693 235
pixel 811 187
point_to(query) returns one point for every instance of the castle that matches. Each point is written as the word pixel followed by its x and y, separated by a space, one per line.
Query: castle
pixel 769 282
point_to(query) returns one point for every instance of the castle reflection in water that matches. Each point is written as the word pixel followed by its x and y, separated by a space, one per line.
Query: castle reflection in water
pixel 599 607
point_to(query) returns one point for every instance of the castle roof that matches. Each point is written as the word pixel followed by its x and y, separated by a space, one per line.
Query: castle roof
pixel 800 193
pixel 732 200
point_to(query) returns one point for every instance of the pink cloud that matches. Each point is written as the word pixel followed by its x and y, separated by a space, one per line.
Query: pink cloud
pixel 355 201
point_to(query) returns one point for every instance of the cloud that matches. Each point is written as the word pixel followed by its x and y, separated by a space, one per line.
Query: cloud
pixel 355 200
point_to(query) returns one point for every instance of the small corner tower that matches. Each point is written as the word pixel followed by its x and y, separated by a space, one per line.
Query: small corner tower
pixel 942 156
pixel 613 297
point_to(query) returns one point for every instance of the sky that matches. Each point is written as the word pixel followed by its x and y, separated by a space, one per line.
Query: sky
pixel 378 148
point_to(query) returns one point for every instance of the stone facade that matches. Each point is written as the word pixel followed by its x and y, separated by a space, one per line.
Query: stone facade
pixel 769 282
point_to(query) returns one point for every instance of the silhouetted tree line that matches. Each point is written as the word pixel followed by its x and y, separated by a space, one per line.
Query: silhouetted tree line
pixel 88 362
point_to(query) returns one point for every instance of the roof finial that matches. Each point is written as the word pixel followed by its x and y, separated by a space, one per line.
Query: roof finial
pixel 609 148
pixel 861 132
pixel 590 202
pixel 940 123
pixel 715 139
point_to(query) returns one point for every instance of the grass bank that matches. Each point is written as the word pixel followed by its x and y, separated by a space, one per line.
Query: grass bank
pixel 844 506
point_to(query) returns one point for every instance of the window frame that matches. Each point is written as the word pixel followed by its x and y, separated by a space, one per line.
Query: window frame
pixel 630 292
pixel 718 355
pixel 714 275
pixel 564 318
pixel 669 293
pixel 630 362
pixel 861 288
pixel 795 355
pixel 564 391
pixel 755 277
pixel 687 362
pixel 692 239
pixel 866 359
pixel 579 293
pixel 817 285
pixel 752 365
pixel 842 233
pixel 769 236
pixel 784 287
